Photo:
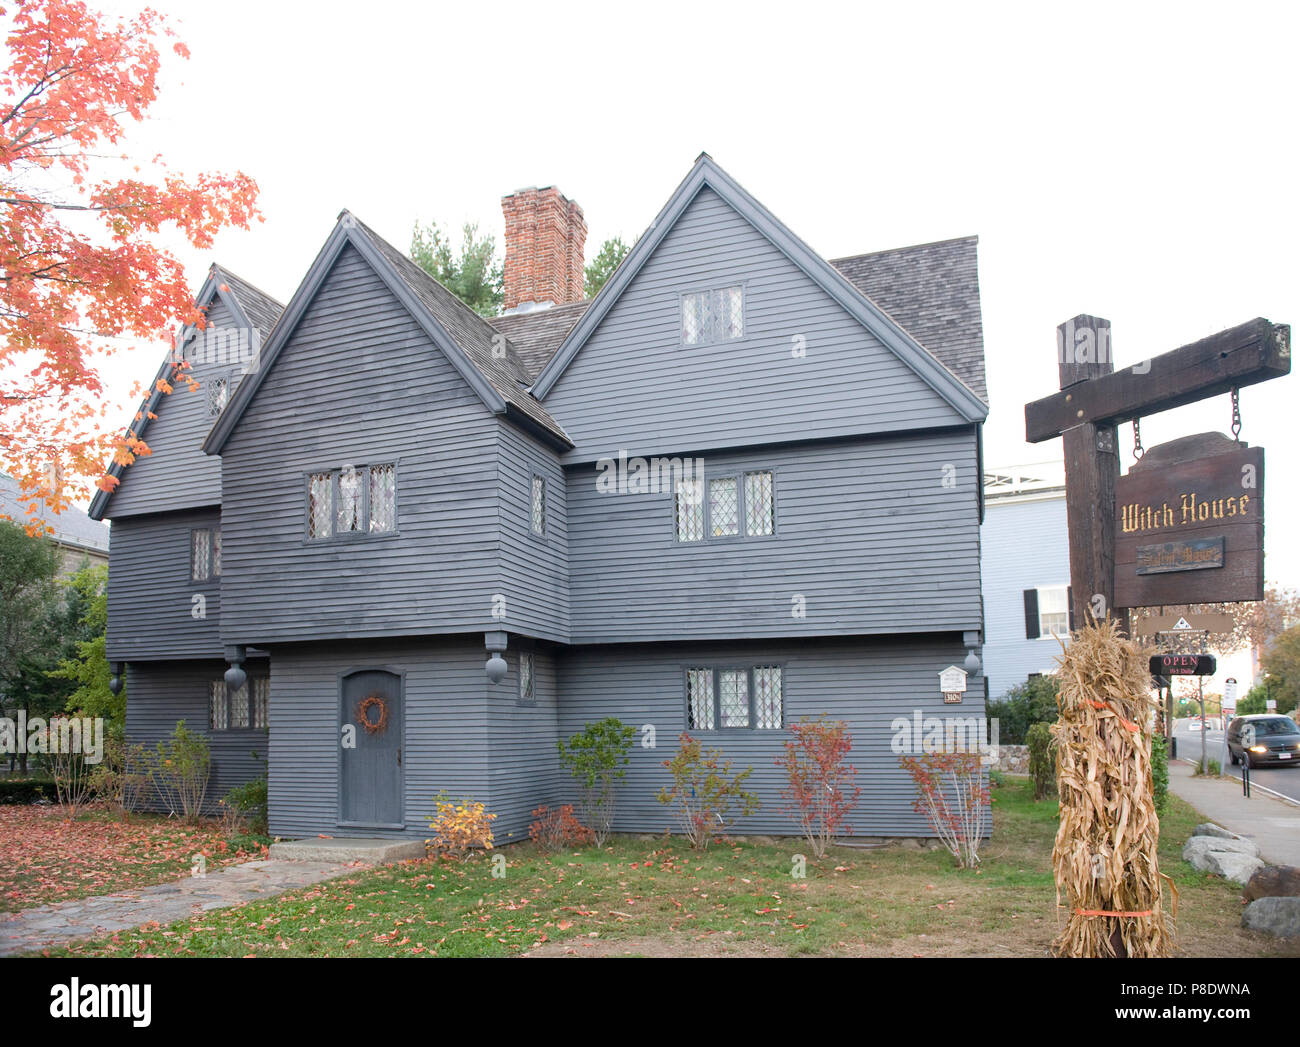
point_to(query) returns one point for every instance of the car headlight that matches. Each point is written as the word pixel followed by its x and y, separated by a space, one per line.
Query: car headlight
pixel 1259 748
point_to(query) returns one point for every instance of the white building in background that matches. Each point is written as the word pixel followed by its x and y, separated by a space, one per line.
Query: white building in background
pixel 1025 566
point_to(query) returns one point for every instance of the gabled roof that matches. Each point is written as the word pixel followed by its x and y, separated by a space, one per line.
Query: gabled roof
pixel 538 333
pixel 932 291
pixel 253 308
pixel 70 527
pixel 484 358
pixel 706 173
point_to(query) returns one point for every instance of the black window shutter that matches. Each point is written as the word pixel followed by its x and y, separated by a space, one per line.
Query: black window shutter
pixel 1031 614
pixel 1069 602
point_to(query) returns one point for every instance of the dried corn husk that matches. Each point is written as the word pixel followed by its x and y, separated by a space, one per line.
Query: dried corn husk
pixel 1105 853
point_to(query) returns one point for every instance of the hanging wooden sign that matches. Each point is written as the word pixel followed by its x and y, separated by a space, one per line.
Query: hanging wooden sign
pixel 1190 524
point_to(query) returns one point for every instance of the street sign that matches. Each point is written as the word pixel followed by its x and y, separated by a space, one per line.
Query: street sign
pixel 1190 524
pixel 1230 691
pixel 1183 665
pixel 1184 623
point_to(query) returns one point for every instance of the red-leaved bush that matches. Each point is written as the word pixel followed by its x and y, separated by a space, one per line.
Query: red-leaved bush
pixel 953 794
pixel 821 790
pixel 554 830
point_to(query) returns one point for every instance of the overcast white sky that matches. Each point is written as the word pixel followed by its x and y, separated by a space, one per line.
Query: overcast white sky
pixel 1137 163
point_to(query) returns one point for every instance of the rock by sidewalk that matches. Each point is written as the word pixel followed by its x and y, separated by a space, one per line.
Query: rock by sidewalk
pixel 1210 829
pixel 1279 917
pixel 1273 881
pixel 1231 857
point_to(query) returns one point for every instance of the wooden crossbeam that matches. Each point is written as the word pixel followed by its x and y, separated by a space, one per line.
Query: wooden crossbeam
pixel 1252 352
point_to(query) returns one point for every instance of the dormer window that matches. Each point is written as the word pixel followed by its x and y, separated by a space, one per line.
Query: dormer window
pixel 218 395
pixel 713 316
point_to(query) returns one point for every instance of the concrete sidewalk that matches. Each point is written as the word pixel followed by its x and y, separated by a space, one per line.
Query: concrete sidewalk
pixel 1274 826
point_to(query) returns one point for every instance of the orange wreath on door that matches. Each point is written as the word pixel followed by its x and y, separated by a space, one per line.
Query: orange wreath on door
pixel 373 703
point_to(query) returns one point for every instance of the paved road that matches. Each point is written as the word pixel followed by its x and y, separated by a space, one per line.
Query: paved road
pixel 1284 780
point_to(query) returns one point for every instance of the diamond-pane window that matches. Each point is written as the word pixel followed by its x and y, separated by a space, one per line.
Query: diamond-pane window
pixel 320 511
pixel 218 395
pixel 689 510
pixel 758 504
pixel 262 702
pixel 732 313
pixel 527 691
pixel 538 512
pixel 693 330
pixel 200 554
pixel 383 498
pixel 218 711
pixel 699 699
pixel 239 707
pixel 216 553
pixel 767 696
pixel 733 690
pixel 347 517
pixel 724 507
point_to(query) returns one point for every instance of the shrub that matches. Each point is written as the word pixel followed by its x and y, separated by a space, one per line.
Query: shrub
pixel 704 790
pixel 1159 772
pixel 179 768
pixel 1211 768
pixel 245 806
pixel 1031 702
pixel 1042 759
pixel 952 795
pixel 458 828
pixel 821 790
pixel 70 771
pixel 26 790
pixel 597 757
pixel 119 780
pixel 555 830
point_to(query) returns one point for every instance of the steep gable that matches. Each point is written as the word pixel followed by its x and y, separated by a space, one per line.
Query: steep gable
pixel 176 474
pixel 817 359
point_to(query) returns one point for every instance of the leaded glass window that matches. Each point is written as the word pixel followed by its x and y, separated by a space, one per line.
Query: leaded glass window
pixel 218 395
pixel 200 554
pixel 733 689
pixel 724 507
pixel 767 696
pixel 731 313
pixel 347 517
pixel 759 516
pixel 320 506
pixel 261 702
pixel 216 553
pixel 688 503
pixel 218 709
pixel 383 498
pixel 699 699
pixel 239 707
pixel 527 684
pixel 538 512
pixel 713 316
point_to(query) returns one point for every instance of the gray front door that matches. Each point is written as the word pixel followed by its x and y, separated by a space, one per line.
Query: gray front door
pixel 371 784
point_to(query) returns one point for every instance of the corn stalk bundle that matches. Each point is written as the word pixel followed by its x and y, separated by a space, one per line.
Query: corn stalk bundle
pixel 1105 852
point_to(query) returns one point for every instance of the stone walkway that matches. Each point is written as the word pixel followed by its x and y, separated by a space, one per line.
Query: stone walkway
pixel 52 925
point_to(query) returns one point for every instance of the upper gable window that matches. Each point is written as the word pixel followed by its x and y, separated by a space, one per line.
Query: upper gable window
pixel 205 554
pixel 218 395
pixel 713 316
pixel 352 501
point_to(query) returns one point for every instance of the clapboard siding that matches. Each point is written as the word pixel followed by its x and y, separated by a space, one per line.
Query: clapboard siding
pixel 525 766
pixel 867 683
pixel 534 569
pixel 446 745
pixel 176 474
pixel 867 533
pixel 634 386
pixel 357 383
pixel 151 605
pixel 159 694
pixel 1025 546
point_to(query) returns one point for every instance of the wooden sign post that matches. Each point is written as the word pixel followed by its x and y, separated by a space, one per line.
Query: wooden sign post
pixel 1094 400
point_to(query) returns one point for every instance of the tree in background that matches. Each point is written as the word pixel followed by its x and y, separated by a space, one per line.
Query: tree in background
pixel 601 268
pixel 1257 623
pixel 81 228
pixel 1282 664
pixel 473 274
pixel 84 669
pixel 28 597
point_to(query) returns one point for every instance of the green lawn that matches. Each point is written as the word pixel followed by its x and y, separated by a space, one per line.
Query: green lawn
pixel 659 898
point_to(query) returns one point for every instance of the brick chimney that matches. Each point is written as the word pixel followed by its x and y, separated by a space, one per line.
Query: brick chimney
pixel 545 237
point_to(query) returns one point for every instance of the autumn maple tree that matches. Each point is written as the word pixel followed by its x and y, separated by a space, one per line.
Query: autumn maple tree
pixel 84 266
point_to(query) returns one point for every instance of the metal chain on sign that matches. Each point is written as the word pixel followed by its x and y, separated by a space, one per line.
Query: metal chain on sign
pixel 1138 452
pixel 1236 414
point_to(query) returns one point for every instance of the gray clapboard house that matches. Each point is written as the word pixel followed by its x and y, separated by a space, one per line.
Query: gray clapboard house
pixel 739 487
